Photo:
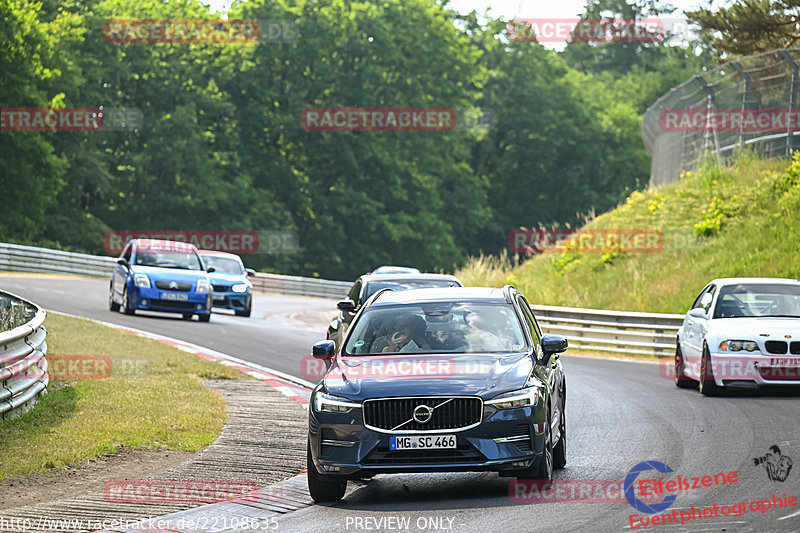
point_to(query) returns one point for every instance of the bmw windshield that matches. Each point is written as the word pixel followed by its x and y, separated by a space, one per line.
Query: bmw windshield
pixel 225 265
pixel 437 328
pixel 758 300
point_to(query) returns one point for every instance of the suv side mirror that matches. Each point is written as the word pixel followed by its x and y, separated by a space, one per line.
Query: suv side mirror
pixel 250 272
pixel 324 350
pixel 698 312
pixel 211 269
pixel 553 344
pixel 346 305
pixel 123 262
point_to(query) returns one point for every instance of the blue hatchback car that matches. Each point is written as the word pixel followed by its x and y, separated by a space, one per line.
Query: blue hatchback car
pixel 232 289
pixel 438 380
pixel 160 275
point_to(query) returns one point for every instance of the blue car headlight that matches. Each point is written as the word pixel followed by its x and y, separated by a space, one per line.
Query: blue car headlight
pixel 203 285
pixel 333 404
pixel 240 287
pixel 141 280
pixel 527 397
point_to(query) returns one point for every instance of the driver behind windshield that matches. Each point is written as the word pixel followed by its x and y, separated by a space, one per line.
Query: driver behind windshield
pixel 409 337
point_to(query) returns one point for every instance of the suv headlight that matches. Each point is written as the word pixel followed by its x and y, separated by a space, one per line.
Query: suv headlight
pixel 333 404
pixel 738 346
pixel 240 287
pixel 519 398
pixel 141 280
pixel 203 285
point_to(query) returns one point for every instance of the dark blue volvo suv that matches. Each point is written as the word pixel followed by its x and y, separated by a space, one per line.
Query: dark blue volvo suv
pixel 438 380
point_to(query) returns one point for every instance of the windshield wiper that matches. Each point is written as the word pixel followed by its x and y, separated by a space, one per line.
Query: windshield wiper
pixel 781 316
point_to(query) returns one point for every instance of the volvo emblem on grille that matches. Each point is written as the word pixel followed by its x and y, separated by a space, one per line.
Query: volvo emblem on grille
pixel 422 414
pixel 173 284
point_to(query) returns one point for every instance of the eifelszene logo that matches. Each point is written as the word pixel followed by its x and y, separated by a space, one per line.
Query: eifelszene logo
pixel 630 495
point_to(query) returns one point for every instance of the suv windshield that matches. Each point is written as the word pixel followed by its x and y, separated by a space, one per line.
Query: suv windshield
pixel 449 327
pixel 183 260
pixel 763 299
pixel 226 265
pixel 403 285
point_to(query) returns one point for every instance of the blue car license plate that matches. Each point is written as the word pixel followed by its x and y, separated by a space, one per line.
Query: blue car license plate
pixel 176 296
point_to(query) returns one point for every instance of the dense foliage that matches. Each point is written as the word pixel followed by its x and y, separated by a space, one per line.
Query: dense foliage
pixel 221 146
pixel 745 27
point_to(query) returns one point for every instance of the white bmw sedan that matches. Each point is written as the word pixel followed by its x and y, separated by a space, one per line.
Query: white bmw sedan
pixel 741 332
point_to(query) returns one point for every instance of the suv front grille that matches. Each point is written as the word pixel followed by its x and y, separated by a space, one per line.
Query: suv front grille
pixel 220 288
pixel 178 286
pixel 456 413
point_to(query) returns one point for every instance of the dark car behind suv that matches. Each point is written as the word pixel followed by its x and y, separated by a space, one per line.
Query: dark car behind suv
pixel 438 380
pixel 369 284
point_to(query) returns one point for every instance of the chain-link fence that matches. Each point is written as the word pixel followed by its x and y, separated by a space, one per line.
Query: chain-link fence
pixel 734 94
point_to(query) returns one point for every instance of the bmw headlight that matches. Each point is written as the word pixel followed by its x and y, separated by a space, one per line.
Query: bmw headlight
pixel 141 280
pixel 333 404
pixel 240 287
pixel 528 397
pixel 203 285
pixel 738 346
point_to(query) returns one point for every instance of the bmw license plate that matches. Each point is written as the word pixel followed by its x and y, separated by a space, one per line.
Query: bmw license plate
pixel 784 361
pixel 177 296
pixel 422 442
pixel 219 297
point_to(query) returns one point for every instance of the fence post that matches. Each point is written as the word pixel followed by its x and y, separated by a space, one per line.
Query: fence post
pixel 745 96
pixel 792 100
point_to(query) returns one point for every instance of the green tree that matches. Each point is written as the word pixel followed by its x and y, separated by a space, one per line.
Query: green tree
pixel 747 27
pixel 31 75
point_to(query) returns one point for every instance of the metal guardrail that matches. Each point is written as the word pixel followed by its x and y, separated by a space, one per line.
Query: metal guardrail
pixel 589 330
pixel 322 288
pixel 18 258
pixel 613 332
pixel 23 367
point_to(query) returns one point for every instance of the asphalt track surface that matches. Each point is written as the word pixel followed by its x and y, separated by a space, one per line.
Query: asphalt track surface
pixel 619 414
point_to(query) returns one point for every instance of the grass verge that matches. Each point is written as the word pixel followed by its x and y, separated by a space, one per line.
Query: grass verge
pixel 153 398
pixel 740 220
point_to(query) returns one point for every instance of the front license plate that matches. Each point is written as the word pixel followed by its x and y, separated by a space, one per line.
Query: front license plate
pixel 422 442
pixel 785 361
pixel 219 297
pixel 177 296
